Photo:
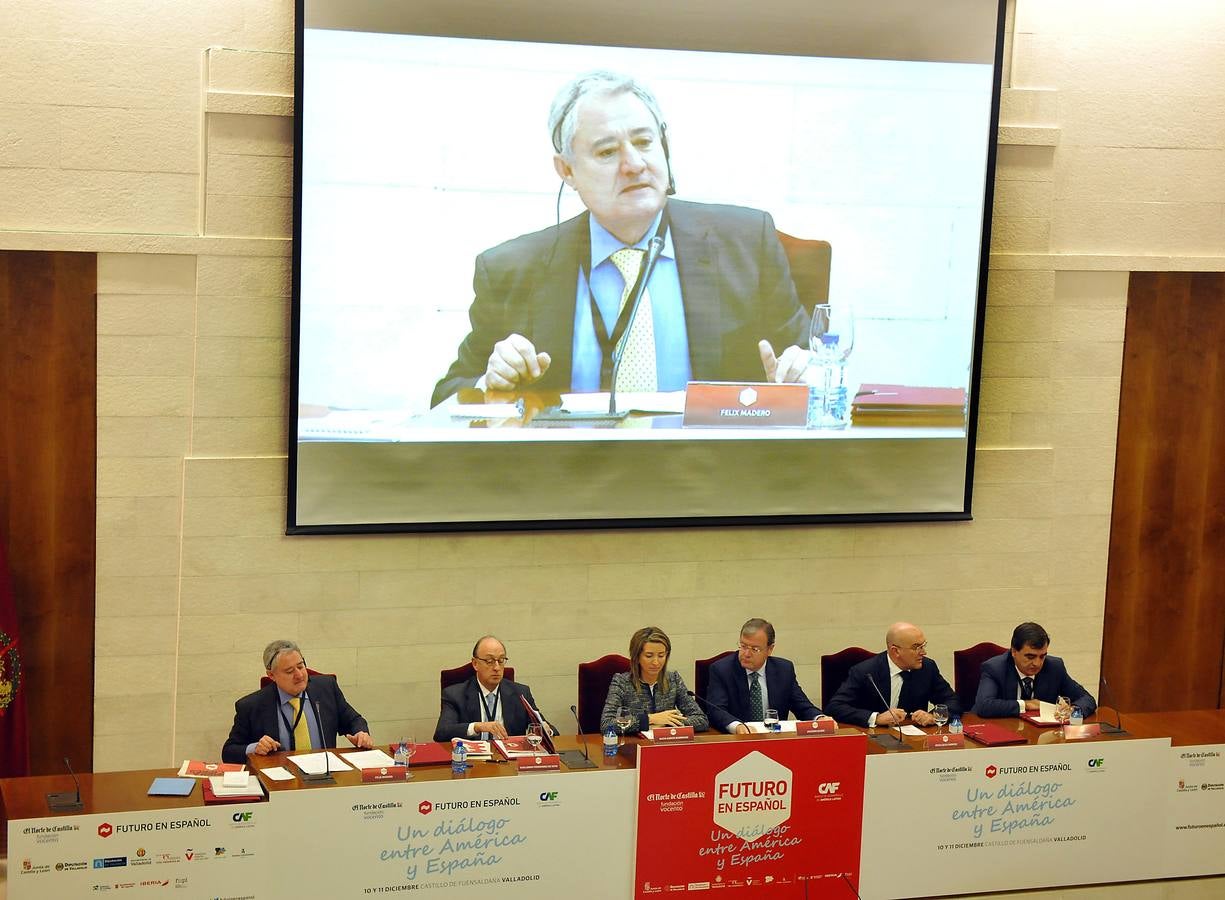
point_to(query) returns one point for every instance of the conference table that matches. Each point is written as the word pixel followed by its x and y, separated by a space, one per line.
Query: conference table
pixel 556 824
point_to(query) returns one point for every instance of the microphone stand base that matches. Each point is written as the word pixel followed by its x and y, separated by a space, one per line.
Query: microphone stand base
pixel 321 778
pixel 559 418
pixel 1107 728
pixel 889 741
pixel 574 759
pixel 64 801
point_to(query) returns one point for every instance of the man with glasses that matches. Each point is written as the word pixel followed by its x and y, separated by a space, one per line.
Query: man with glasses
pixel 487 705
pixel 903 675
pixel 742 687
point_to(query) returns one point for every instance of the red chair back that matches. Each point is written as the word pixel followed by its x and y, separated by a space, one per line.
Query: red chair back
pixel 593 680
pixel 448 677
pixel 701 674
pixel 264 680
pixel 834 668
pixel 967 670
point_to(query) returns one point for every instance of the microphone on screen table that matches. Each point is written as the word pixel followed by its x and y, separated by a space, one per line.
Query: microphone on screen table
pixel 582 737
pixel 654 248
pixel 899 743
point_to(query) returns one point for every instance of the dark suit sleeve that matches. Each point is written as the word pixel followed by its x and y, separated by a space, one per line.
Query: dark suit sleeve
pixel 348 720
pixel 991 701
pixel 785 320
pixel 851 702
pixel 487 316
pixel 242 732
pixel 941 692
pixel 1072 689
pixel 527 695
pixel 451 720
pixel 797 701
pixel 719 698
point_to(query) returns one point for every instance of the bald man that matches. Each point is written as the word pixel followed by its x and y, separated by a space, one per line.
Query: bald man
pixel 903 674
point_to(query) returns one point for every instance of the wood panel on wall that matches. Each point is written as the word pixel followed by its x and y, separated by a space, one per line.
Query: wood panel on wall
pixel 1164 638
pixel 48 453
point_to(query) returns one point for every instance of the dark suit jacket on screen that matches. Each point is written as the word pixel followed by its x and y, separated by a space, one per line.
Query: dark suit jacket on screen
pixel 727 696
pixel 736 289
pixel 997 688
pixel 255 715
pixel 855 701
pixel 462 705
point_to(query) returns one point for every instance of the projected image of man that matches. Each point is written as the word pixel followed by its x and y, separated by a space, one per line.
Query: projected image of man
pixel 549 307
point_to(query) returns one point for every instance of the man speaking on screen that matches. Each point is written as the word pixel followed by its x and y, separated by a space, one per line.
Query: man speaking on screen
pixel 548 310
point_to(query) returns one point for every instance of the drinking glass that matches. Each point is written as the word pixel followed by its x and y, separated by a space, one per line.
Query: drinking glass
pixel 623 721
pixel 831 338
pixel 771 720
pixel 940 712
pixel 1063 710
pixel 535 736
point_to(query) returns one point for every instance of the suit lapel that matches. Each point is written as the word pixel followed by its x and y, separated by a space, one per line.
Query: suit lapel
pixel 697 263
pixel 269 716
pixel 740 688
pixel 551 297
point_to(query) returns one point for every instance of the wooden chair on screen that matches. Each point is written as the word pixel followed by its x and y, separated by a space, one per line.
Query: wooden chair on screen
pixel 701 674
pixel 448 677
pixel 265 680
pixel 593 680
pixel 834 668
pixel 967 670
pixel 809 262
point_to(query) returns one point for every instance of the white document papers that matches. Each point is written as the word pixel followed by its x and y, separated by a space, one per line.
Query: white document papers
pixel 249 788
pixel 278 773
pixel 313 763
pixel 369 759
pixel 912 731
pixel 1046 713
pixel 662 402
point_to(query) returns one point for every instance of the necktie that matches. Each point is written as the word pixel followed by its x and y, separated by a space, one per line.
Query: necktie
pixel 637 372
pixel 756 710
pixel 1027 689
pixel 301 730
pixel 491 712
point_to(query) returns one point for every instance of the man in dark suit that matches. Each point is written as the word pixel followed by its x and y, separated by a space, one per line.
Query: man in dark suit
pixel 296 711
pixel 903 674
pixel 486 705
pixel 1015 682
pixel 743 686
pixel 547 304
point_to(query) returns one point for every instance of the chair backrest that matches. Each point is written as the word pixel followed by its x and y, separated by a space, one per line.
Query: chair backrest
pixel 967 670
pixel 809 262
pixel 834 668
pixel 593 680
pixel 701 674
pixel 265 680
pixel 448 677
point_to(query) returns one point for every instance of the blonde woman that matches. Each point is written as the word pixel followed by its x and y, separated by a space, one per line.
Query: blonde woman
pixel 653 696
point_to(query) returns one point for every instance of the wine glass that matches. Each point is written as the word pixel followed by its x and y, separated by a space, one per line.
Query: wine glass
pixel 1063 710
pixel 535 736
pixel 831 338
pixel 940 712
pixel 623 720
pixel 406 749
pixel 771 720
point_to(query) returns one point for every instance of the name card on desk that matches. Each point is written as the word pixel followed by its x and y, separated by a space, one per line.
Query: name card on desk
pixel 543 763
pixel 820 726
pixel 683 735
pixel 946 741
pixel 385 773
pixel 1080 732
pixel 738 405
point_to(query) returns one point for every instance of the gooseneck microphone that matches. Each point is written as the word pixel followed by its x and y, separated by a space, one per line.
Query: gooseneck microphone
pixel 324 777
pixel 654 248
pixel 66 801
pixel 704 701
pixel 888 741
pixel 572 758
pixel 1106 727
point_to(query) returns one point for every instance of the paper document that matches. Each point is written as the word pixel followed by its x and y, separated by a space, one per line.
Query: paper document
pixel 1046 713
pixel 913 731
pixel 313 764
pixel 487 410
pixel 369 759
pixel 278 773
pixel 252 787
pixel 660 402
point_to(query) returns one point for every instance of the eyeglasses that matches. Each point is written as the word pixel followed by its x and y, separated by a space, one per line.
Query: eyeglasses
pixel 915 647
pixel 746 648
pixel 492 660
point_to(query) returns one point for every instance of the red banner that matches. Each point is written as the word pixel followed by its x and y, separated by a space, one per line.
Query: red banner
pixel 14 747
pixel 781 816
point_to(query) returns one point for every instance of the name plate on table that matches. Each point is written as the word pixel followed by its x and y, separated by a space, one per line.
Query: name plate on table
pixel 821 726
pixel 711 404
pixel 543 763
pixel 946 741
pixel 385 773
pixel 683 735
pixel 1080 732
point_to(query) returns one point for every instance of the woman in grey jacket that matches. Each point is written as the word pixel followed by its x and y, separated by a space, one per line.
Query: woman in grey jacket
pixel 654 696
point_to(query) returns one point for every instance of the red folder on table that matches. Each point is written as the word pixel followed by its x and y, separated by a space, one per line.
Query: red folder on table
pixel 993 735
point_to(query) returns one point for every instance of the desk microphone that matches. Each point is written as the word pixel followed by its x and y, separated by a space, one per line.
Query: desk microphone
pixel 708 703
pixel 324 777
pixel 1106 727
pixel 66 801
pixel 572 758
pixel 654 248
pixel 888 741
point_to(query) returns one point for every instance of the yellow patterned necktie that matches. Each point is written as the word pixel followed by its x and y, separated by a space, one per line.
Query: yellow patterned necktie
pixel 301 731
pixel 637 372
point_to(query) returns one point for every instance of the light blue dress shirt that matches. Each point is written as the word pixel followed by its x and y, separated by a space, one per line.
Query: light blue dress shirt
pixel 286 712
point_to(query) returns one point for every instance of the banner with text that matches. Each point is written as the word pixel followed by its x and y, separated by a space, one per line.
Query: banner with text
pixel 1196 792
pixel 516 837
pixel 781 816
pixel 1014 816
